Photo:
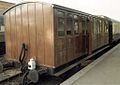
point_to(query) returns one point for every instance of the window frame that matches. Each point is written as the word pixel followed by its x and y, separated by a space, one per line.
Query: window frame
pixel 72 22
pixel 57 23
pixel 78 21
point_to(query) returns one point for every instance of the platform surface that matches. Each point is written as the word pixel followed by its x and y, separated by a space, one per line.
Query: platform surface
pixel 103 71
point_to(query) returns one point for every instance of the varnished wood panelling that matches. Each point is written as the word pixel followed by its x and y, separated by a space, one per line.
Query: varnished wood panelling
pixel 77 46
pixel 32 24
pixel 60 44
pixel 13 33
pixel 60 51
pixel 7 36
pixel 19 29
pixel 70 49
pixel 48 34
pixel 40 34
pixel 32 30
pixel 25 28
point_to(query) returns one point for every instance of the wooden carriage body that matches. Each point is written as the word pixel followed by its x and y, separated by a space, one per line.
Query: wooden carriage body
pixel 55 35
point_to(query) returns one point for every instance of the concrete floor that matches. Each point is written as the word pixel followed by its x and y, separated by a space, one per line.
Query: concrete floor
pixel 103 71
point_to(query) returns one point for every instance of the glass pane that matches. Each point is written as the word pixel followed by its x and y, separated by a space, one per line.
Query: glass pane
pixel 75 17
pixel 60 14
pixel 60 24
pixel 69 24
pixel 61 27
pixel 97 28
pixel 70 16
pixel 61 33
pixel 76 27
pixel 84 25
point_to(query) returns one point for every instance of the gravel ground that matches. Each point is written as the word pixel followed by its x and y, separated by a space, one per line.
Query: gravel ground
pixel 43 80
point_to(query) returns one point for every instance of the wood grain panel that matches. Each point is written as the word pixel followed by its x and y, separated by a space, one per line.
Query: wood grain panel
pixel 32 30
pixel 77 46
pixel 60 51
pixel 25 27
pixel 32 24
pixel 19 29
pixel 48 34
pixel 13 33
pixel 61 58
pixel 40 34
pixel 70 49
pixel 7 35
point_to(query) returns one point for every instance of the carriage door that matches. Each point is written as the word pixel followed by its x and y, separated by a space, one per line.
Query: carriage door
pixel 89 35
pixel 69 36
pixel 77 36
pixel 60 39
pixel 85 36
pixel 110 32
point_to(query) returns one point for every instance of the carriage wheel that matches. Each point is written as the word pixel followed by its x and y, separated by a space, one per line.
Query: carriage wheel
pixel 29 77
pixel 25 80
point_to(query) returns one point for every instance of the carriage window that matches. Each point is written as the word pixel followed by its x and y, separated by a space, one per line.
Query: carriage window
pixel 60 14
pixel 76 25
pixel 95 26
pixel 61 27
pixel 98 27
pixel 76 28
pixel 106 26
pixel 61 23
pixel 69 24
pixel 84 25
pixel 102 26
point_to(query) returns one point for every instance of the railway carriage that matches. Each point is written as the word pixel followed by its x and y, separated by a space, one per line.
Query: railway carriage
pixel 54 36
pixel 115 30
pixel 100 32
